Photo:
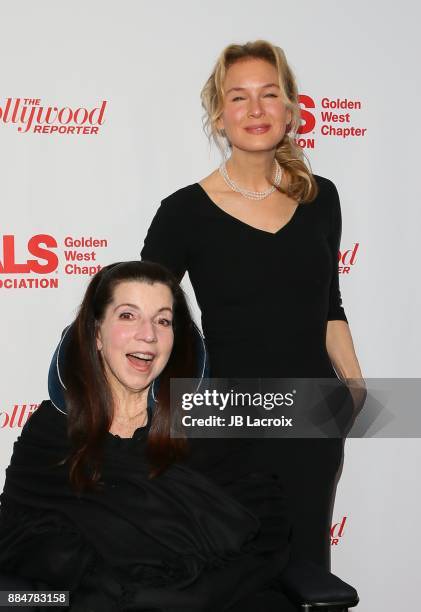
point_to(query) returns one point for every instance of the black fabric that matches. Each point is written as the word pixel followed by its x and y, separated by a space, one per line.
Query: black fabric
pixel 10 583
pixel 265 301
pixel 307 582
pixel 176 542
pixel 273 292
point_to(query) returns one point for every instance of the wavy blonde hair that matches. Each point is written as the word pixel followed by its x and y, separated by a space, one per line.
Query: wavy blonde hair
pixel 301 184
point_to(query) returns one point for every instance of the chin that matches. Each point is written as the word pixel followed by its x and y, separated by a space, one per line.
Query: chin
pixel 257 147
pixel 137 382
pixel 138 386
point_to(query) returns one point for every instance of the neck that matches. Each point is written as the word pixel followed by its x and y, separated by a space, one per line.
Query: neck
pixel 128 404
pixel 251 170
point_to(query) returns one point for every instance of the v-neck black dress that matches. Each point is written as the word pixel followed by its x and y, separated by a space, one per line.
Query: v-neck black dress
pixel 265 301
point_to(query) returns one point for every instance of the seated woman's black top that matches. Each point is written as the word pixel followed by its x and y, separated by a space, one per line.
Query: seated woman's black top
pixel 177 542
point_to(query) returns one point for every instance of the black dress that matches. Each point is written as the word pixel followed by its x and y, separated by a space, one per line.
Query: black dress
pixel 265 301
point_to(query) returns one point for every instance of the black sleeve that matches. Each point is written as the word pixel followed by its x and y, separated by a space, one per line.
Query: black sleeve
pixel 166 240
pixel 336 311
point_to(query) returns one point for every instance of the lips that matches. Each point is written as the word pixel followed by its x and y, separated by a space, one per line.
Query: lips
pixel 262 128
pixel 140 360
pixel 144 355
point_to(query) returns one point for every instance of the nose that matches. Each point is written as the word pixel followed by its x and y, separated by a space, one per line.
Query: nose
pixel 255 108
pixel 146 331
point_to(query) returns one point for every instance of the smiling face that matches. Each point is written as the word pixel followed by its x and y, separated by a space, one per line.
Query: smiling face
pixel 254 114
pixel 135 338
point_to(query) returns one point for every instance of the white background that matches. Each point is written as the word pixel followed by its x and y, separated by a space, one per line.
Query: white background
pixel 149 61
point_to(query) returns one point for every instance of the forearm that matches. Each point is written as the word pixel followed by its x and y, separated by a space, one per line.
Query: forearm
pixel 341 351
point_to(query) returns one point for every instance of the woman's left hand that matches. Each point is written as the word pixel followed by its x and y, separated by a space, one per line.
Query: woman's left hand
pixel 358 390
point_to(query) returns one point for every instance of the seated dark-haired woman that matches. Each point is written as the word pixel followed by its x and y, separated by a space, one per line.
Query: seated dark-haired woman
pixel 100 500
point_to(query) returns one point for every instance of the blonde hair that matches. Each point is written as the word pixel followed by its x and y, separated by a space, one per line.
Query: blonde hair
pixel 301 184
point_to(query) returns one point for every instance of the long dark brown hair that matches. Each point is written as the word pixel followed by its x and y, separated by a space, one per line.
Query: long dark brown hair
pixel 88 394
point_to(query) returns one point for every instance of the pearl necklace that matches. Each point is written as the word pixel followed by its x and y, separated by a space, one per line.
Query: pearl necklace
pixel 252 195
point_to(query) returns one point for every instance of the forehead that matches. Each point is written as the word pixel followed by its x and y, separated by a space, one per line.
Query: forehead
pixel 250 72
pixel 144 295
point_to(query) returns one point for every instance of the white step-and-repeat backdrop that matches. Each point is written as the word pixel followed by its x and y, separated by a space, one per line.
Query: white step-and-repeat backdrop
pixel 100 118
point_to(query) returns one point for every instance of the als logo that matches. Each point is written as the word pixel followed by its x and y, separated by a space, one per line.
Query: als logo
pixel 41 258
pixel 327 119
pixel 39 246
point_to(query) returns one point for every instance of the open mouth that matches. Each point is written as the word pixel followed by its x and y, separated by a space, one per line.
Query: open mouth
pixel 141 361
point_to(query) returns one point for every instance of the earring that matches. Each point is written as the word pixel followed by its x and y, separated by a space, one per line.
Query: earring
pixel 289 131
pixel 224 145
pixel 226 152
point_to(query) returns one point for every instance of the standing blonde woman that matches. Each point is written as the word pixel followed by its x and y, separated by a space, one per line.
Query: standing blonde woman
pixel 259 238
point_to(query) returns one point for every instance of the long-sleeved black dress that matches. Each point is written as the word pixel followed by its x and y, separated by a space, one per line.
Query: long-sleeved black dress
pixel 265 301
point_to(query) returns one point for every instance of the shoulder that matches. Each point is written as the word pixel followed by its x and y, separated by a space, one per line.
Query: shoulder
pixel 45 410
pixel 181 201
pixel 43 438
pixel 327 197
pixel 327 188
pixel 46 418
pixel 176 209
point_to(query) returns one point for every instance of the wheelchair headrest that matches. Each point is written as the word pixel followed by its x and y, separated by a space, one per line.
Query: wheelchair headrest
pixel 56 386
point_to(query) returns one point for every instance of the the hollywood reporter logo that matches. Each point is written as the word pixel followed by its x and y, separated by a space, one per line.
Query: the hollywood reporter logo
pixel 337 531
pixel 347 258
pixel 16 416
pixel 29 115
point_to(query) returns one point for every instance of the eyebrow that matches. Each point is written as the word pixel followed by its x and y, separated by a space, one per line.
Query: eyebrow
pixel 243 88
pixel 137 307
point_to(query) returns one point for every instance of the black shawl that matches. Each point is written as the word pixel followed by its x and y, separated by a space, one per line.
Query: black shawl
pixel 177 542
